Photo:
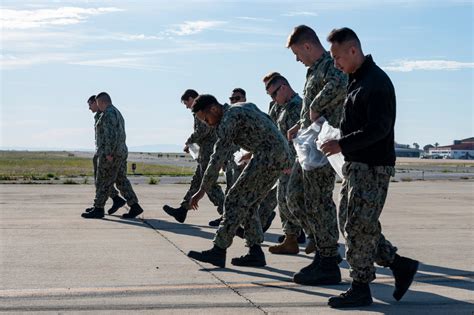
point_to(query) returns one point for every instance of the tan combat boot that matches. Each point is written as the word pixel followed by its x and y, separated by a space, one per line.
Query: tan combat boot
pixel 289 246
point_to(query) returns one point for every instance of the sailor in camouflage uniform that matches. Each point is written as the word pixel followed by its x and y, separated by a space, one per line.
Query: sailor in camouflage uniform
pixel 246 126
pixel 271 201
pixel 205 137
pixel 324 93
pixel 118 202
pixel 112 155
pixel 231 168
pixel 367 143
pixel 266 209
pixel 288 103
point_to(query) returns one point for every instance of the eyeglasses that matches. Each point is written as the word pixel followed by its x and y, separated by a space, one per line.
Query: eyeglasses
pixel 234 98
pixel 274 93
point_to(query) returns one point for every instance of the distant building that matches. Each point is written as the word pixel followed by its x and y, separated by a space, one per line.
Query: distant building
pixel 460 149
pixel 427 148
pixel 404 150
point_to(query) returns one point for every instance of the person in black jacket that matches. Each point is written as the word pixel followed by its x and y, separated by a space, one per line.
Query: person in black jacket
pixel 367 143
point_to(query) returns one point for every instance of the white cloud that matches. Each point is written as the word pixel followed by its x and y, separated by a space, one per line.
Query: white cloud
pixel 21 61
pixel 412 65
pixel 135 37
pixel 125 63
pixel 193 46
pixel 27 19
pixel 14 39
pixel 257 19
pixel 194 27
pixel 300 13
pixel 82 59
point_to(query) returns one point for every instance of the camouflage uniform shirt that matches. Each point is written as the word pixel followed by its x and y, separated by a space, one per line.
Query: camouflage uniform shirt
pixel 324 91
pixel 289 114
pixel 246 126
pixel 110 133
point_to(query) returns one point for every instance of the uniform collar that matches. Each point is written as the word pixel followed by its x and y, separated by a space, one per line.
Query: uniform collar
pixel 364 67
pixel 318 62
pixel 291 100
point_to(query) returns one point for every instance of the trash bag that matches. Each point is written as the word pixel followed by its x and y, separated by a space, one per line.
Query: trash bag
pixel 309 156
pixel 327 133
pixel 238 156
pixel 194 150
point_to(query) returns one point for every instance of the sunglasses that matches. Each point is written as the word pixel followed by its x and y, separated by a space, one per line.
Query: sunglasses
pixel 234 98
pixel 274 93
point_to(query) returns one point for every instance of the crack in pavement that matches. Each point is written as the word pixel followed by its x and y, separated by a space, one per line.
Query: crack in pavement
pixel 206 269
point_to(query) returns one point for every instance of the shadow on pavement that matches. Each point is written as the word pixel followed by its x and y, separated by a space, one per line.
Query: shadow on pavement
pixel 442 277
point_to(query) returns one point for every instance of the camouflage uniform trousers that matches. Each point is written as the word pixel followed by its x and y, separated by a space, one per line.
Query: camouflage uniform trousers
pixel 232 172
pixel 113 192
pixel 108 173
pixel 266 207
pixel 289 222
pixel 309 198
pixel 215 194
pixel 242 202
pixel 363 195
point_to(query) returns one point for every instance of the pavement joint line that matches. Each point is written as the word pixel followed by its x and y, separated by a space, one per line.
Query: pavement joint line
pixel 207 270
pixel 51 292
pixel 405 308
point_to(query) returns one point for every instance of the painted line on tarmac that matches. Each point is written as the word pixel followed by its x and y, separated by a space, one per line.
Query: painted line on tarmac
pixel 51 292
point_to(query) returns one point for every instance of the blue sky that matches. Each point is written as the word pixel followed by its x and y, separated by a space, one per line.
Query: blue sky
pixel 55 54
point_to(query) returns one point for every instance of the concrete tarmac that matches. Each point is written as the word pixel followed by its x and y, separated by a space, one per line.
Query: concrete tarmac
pixel 52 261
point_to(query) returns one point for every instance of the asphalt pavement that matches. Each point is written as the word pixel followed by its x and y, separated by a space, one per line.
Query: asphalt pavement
pixel 53 261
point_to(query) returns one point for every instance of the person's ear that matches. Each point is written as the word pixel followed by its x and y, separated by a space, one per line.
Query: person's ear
pixel 353 50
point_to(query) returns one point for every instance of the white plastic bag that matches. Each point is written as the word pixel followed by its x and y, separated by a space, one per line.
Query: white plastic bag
pixel 194 150
pixel 309 156
pixel 238 156
pixel 327 133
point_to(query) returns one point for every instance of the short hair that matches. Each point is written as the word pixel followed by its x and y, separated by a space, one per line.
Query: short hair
pixel 203 102
pixel 302 34
pixel 275 80
pixel 342 35
pixel 270 75
pixel 189 93
pixel 104 96
pixel 239 90
pixel 91 99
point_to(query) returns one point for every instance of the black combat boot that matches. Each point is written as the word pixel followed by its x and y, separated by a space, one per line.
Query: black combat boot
pixel 404 270
pixel 357 295
pixel 315 263
pixel 89 209
pixel 178 213
pixel 324 270
pixel 215 222
pixel 215 256
pixel 96 213
pixel 118 203
pixel 254 258
pixel 135 210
